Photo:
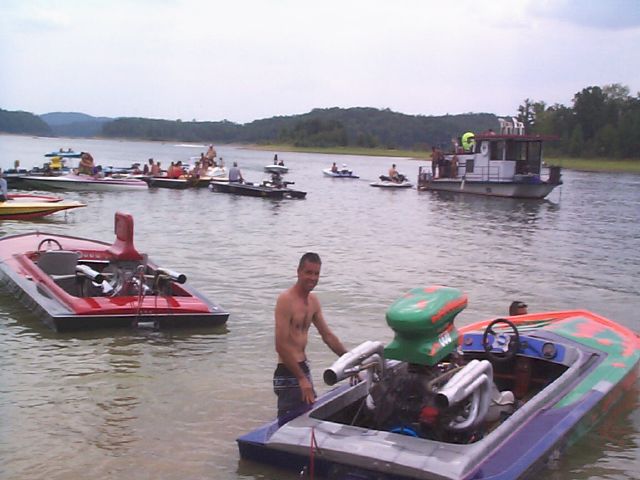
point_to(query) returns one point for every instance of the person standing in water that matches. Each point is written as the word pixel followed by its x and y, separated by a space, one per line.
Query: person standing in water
pixel 296 309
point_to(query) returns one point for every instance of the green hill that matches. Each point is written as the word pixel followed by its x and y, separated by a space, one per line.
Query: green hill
pixel 361 127
pixel 73 124
pixel 23 123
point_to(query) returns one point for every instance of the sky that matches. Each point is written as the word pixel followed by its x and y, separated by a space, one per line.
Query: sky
pixel 243 60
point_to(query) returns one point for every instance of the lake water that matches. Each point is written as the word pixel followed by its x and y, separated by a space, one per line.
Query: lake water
pixel 170 404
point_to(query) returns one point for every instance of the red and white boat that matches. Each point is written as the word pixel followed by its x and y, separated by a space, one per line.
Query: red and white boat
pixel 24 206
pixel 76 283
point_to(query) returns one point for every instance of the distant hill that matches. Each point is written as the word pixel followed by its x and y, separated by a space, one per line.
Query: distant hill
pixel 364 127
pixel 23 122
pixel 73 124
pixel 321 127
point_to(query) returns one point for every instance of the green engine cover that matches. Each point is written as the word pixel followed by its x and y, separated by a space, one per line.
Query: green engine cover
pixel 422 320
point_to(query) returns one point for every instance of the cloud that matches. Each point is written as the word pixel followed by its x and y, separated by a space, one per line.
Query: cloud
pixel 598 14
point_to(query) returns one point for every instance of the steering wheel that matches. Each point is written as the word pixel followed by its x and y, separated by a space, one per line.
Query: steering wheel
pixel 506 342
pixel 49 241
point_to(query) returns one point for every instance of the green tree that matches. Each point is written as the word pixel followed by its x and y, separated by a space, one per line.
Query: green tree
pixel 576 142
pixel 590 111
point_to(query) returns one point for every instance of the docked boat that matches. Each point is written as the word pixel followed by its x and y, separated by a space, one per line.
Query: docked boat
pixel 504 164
pixel 496 399
pixel 343 172
pixel 386 182
pixel 265 189
pixel 90 183
pixel 27 206
pixel 218 174
pixel 276 168
pixel 76 283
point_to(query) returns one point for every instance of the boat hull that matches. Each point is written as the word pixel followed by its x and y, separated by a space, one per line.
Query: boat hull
pixel 339 174
pixel 250 190
pixel 79 183
pixel 491 189
pixel 26 206
pixel 276 169
pixel 602 362
pixel 391 185
pixel 172 183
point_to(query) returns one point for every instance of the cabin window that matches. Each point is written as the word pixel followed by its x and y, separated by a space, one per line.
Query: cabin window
pixel 516 151
pixel 535 152
pixel 469 165
pixel 497 150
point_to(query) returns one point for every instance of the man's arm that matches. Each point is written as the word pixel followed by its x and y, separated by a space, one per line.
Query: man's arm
pixel 328 337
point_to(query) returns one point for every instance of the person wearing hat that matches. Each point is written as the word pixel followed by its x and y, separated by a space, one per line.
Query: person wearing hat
pixel 517 308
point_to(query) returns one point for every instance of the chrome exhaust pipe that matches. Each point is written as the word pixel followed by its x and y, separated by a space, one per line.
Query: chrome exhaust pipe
pixel 362 357
pixel 173 276
pixel 473 381
pixel 90 273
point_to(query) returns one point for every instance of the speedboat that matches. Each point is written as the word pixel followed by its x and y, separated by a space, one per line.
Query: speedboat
pixel 266 189
pixel 218 174
pixel 343 172
pixel 386 182
pixel 26 206
pixel 505 164
pixel 496 399
pixel 76 283
pixel 274 168
pixel 90 183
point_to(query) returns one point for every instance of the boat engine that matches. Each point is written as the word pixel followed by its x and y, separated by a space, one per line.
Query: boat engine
pixel 421 386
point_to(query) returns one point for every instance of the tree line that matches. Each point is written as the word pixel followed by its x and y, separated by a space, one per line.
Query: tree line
pixel 602 122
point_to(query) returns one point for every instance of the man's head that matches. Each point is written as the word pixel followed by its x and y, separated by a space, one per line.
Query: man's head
pixel 309 270
pixel 518 308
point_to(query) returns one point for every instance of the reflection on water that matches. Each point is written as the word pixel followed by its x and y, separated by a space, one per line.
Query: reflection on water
pixel 169 404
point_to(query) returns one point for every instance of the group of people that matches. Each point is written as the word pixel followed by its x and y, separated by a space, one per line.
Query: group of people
pixel 442 167
pixel 152 168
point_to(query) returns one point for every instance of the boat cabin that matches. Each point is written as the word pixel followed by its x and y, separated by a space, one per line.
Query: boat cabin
pixel 507 156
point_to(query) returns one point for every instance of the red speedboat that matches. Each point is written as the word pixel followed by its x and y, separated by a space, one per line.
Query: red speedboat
pixel 76 283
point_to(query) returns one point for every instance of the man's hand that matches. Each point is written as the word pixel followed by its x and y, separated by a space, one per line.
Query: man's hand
pixel 308 396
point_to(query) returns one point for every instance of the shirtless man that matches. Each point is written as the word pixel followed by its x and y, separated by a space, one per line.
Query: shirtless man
pixel 296 309
pixel 393 174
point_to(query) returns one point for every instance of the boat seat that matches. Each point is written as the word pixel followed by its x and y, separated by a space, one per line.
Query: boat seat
pixel 123 249
pixel 60 265
pixel 58 262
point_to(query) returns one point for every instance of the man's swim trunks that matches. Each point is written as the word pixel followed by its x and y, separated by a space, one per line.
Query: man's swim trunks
pixel 287 388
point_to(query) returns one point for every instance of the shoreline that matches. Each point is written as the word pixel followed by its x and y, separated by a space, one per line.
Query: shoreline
pixel 592 165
